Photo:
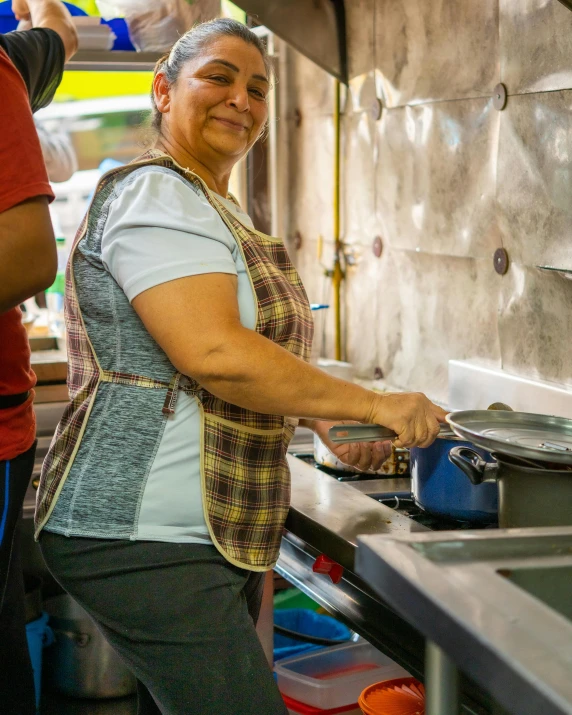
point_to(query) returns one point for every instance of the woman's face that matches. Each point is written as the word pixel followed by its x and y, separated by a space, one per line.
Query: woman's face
pixel 217 107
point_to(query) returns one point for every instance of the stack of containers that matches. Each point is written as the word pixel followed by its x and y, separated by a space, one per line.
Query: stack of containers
pixel 330 681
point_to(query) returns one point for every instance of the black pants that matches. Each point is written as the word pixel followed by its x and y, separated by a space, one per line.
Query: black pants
pixel 181 617
pixel 16 677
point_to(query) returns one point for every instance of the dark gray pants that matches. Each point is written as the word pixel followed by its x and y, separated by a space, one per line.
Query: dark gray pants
pixel 179 615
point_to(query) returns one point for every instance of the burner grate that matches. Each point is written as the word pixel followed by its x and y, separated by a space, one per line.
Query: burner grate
pixel 404 504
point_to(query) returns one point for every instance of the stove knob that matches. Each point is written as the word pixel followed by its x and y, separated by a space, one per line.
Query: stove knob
pixel 326 565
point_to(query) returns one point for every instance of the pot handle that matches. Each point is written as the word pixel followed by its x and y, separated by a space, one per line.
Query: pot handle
pixel 471 463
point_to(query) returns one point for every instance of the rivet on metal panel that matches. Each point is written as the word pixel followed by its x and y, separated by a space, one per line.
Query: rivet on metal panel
pixel 378 373
pixel 499 97
pixel 297 240
pixel 376 109
pixel 501 261
pixel 297 117
pixel 377 246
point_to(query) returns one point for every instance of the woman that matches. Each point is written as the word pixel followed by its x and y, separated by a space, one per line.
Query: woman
pixel 164 494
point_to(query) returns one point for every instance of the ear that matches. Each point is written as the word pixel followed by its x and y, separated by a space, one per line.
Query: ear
pixel 161 92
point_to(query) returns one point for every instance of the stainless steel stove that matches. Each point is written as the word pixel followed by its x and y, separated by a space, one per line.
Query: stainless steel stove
pixel 401 501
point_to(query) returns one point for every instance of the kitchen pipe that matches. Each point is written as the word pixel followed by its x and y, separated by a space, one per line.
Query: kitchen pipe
pixel 337 272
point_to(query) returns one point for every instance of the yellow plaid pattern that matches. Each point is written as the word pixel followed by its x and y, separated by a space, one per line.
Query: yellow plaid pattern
pixel 245 478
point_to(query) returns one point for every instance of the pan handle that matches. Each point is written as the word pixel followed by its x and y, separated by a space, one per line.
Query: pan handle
pixel 345 434
pixel 472 464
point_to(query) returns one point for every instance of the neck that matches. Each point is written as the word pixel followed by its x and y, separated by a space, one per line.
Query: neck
pixel 216 178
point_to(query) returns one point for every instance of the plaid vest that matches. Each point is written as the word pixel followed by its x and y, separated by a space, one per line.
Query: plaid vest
pixel 244 473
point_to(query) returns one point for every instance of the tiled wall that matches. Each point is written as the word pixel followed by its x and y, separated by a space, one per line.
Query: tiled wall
pixel 444 179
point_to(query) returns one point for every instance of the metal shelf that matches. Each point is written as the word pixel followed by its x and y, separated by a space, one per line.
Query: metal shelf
pixel 113 61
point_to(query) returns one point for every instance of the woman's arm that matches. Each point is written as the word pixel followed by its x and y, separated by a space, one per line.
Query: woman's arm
pixel 196 321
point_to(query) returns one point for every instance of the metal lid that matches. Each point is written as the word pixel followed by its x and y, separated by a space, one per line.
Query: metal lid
pixel 519 434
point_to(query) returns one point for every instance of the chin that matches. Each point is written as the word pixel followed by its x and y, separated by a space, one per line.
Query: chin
pixel 237 149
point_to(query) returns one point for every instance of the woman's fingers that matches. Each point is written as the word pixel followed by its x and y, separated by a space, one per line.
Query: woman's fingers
pixel 412 416
pixel 380 452
pixel 365 456
pixel 364 462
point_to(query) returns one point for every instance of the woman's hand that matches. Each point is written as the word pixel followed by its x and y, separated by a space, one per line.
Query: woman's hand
pixel 363 456
pixel 414 418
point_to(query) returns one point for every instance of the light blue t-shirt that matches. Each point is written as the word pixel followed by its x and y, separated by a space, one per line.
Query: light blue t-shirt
pixel 159 230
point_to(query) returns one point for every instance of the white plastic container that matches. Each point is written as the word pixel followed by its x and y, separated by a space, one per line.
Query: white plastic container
pixel 335 676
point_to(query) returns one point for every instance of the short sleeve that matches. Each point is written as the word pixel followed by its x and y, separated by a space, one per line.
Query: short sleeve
pixel 39 56
pixel 158 230
pixel 22 171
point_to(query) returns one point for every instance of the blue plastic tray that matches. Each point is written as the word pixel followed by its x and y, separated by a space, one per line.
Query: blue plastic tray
pixel 303 620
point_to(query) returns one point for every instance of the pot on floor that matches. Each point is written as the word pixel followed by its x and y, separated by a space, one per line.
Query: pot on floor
pixel 81 663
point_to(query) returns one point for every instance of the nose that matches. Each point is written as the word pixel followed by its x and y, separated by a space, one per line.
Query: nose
pixel 238 97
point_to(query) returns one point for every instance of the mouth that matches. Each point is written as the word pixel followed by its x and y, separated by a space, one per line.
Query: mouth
pixel 236 126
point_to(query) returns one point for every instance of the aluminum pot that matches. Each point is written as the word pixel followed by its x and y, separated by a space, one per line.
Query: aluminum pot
pixel 81 663
pixel 530 494
pixel 440 487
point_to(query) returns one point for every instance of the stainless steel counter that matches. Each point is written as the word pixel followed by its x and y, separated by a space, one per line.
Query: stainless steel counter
pixel 497 603
pixel 326 517
pixel 330 515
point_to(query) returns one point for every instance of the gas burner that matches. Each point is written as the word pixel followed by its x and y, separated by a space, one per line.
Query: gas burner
pixel 403 503
pixel 339 474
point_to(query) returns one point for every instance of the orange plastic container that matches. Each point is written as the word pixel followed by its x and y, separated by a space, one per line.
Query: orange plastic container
pixel 401 696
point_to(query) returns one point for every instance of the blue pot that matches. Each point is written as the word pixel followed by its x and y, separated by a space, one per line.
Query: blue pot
pixel 441 488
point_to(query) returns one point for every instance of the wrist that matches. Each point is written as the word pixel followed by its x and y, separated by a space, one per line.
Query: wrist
pixel 308 423
pixel 370 406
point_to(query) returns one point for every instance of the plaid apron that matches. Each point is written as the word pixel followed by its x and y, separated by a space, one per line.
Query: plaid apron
pixel 244 473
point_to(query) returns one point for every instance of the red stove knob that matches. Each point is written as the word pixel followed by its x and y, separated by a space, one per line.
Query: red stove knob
pixel 326 565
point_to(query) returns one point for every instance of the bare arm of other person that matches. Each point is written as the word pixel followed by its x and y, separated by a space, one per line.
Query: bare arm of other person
pixel 196 321
pixel 27 247
pixel 51 15
pixel 28 258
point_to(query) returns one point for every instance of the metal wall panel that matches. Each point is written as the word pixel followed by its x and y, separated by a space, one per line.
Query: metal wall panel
pixel 536 324
pixel 358 179
pixel 363 300
pixel 436 177
pixel 310 89
pixel 435 50
pixel 360 37
pixel 535 178
pixel 535 45
pixel 445 181
pixel 448 309
pixel 310 175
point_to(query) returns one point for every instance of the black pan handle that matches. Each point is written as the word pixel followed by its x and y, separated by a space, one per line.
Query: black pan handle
pixel 469 462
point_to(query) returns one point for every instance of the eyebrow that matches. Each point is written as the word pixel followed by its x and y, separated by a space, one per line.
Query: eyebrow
pixel 234 68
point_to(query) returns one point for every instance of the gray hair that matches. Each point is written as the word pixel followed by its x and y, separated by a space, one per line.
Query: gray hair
pixel 192 43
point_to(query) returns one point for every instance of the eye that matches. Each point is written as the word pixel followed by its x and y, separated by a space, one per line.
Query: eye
pixel 257 93
pixel 219 78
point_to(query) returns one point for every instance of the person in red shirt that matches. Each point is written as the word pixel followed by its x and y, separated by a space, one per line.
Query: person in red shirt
pixel 31 67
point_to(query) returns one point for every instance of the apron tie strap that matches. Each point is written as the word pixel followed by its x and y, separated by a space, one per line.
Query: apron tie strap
pixel 172 394
pixel 125 378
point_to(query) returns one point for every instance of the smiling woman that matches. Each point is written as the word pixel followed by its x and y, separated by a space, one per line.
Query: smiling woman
pixel 209 98
pixel 165 491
